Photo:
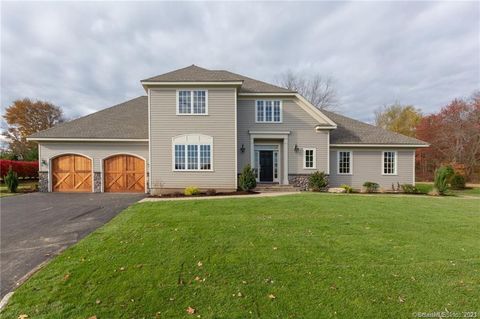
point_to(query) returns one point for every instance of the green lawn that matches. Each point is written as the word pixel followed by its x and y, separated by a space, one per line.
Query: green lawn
pixel 297 256
pixel 24 186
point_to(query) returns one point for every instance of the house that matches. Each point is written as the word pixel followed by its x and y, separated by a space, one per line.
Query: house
pixel 199 127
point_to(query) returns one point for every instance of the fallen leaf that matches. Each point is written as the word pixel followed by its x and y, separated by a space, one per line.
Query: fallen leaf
pixel 24 316
pixel 401 299
pixel 92 317
pixel 275 248
pixel 272 296
pixel 199 264
pixel 191 310
pixel 98 301
pixel 198 278
pixel 333 286
pixel 65 278
pixel 122 268
pixel 244 282
pixel 239 294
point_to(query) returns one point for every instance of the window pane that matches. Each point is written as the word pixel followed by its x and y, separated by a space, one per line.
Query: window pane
pixel 309 158
pixel 199 102
pixel 276 111
pixel 205 157
pixel 179 156
pixel 389 162
pixel 268 111
pixel 260 110
pixel 184 102
pixel 192 157
pixel 275 165
pixel 344 162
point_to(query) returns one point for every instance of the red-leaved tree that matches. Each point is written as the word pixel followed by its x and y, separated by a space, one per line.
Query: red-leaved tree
pixel 454 136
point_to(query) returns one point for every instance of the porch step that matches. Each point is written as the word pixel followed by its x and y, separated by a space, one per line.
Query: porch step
pixel 264 188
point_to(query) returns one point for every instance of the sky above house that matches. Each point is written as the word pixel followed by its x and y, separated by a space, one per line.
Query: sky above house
pixel 85 56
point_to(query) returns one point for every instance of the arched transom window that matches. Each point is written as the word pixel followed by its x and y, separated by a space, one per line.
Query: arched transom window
pixel 192 152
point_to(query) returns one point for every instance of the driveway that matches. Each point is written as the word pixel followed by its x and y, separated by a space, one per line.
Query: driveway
pixel 35 227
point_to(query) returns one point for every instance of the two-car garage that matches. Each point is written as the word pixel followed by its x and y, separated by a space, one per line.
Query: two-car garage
pixel 93 167
pixel 121 173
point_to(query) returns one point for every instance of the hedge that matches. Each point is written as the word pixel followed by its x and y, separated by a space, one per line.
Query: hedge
pixel 23 169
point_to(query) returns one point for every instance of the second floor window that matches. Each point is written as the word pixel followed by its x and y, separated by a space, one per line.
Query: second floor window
pixel 192 102
pixel 268 111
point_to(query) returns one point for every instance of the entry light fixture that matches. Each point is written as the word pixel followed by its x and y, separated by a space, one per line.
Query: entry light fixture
pixel 242 149
pixel 296 149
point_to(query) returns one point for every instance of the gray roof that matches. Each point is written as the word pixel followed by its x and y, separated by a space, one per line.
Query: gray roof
pixel 195 73
pixel 350 131
pixel 127 120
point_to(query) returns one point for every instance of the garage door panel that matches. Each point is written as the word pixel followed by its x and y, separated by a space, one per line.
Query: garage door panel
pixel 71 173
pixel 124 173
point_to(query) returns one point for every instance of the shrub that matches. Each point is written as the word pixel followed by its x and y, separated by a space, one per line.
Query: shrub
pixel 22 168
pixel 347 188
pixel 371 187
pixel 442 177
pixel 457 181
pixel 409 189
pixel 11 180
pixel 191 190
pixel 211 192
pixel 246 180
pixel 317 181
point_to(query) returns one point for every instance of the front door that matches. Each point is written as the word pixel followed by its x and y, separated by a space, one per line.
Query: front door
pixel 266 166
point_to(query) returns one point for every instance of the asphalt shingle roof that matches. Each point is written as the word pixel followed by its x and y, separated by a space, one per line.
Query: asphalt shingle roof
pixel 195 73
pixel 127 120
pixel 350 131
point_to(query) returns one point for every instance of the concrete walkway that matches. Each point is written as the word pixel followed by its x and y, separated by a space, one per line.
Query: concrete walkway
pixel 166 199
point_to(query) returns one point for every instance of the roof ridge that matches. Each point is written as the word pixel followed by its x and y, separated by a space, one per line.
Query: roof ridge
pixel 252 79
pixel 86 116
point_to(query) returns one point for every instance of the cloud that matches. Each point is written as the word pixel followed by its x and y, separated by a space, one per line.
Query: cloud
pixel 85 56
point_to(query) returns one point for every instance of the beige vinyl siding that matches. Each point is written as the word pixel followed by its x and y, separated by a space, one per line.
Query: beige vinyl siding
pixel 219 124
pixel 368 166
pixel 297 121
pixel 97 151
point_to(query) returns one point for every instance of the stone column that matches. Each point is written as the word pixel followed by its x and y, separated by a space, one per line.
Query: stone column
pixel 97 182
pixel 43 181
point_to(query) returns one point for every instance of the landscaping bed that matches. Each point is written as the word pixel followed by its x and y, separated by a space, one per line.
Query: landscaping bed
pixel 203 194
pixel 309 255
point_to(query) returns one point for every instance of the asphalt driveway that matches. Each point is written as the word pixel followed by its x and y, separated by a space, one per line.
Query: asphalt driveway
pixel 35 227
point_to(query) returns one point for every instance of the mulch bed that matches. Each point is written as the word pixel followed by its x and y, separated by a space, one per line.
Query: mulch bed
pixel 178 194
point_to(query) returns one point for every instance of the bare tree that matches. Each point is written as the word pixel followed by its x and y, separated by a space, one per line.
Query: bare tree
pixel 315 88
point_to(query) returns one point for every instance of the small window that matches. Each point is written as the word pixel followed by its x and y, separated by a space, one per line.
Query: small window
pixel 192 102
pixel 389 163
pixel 344 162
pixel 268 111
pixel 309 158
pixel 180 157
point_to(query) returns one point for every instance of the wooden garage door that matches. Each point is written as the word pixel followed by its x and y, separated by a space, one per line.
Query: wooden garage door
pixel 124 173
pixel 71 173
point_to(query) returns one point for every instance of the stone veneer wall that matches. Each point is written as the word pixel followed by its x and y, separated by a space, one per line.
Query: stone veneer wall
pixel 43 182
pixel 97 182
pixel 299 180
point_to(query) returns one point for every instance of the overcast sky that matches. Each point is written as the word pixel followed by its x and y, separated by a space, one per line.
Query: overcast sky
pixel 85 56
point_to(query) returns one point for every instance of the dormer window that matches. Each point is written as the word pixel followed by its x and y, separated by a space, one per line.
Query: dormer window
pixel 192 102
pixel 268 111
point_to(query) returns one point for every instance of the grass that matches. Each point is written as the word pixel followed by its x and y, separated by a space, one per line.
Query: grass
pixel 24 186
pixel 319 255
pixel 469 191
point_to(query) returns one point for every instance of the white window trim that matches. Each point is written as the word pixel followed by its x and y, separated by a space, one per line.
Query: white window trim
pixel 351 162
pixel 314 157
pixel 202 140
pixel 395 166
pixel 191 102
pixel 264 112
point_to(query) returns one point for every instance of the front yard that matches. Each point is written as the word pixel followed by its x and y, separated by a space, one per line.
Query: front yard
pixel 298 256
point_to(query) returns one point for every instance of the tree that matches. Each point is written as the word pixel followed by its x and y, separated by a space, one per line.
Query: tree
pixel 398 118
pixel 316 89
pixel 454 137
pixel 25 117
